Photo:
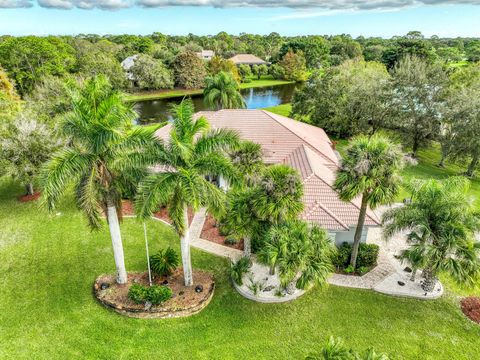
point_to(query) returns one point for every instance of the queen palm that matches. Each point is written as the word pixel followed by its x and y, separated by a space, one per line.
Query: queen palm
pixel 369 170
pixel 222 92
pixel 192 152
pixel 441 221
pixel 102 157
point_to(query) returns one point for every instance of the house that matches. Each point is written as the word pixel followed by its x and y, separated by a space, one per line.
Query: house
pixel 306 148
pixel 206 54
pixel 247 59
pixel 127 64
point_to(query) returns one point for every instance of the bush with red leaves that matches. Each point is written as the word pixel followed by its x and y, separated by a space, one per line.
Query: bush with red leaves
pixel 471 308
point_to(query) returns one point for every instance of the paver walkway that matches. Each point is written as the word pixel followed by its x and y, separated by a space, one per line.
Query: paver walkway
pixel 209 246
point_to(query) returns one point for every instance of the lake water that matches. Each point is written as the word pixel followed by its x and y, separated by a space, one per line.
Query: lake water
pixel 151 111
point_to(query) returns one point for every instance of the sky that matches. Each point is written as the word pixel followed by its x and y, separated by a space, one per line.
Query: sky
pixel 385 18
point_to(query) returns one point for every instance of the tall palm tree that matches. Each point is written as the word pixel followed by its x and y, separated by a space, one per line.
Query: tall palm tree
pixel 370 169
pixel 192 152
pixel 247 158
pixel 103 155
pixel 222 92
pixel 441 221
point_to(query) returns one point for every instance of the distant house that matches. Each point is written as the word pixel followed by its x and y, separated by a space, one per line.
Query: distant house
pixel 127 64
pixel 305 148
pixel 206 54
pixel 247 59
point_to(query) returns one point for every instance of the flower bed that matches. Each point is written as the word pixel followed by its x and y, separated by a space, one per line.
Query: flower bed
pixel 27 198
pixel 211 233
pixel 184 302
pixel 471 308
pixel 162 214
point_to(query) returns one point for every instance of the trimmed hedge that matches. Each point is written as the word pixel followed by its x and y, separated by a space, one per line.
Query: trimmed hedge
pixel 367 256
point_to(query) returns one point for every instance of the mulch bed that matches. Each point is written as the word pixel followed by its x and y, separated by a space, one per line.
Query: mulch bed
pixel 27 198
pixel 210 232
pixel 185 300
pixel 127 210
pixel 471 308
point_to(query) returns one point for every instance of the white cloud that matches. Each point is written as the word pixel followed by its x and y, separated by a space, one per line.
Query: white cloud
pixel 324 5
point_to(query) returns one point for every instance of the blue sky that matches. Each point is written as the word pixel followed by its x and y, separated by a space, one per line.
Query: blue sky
pixel 311 17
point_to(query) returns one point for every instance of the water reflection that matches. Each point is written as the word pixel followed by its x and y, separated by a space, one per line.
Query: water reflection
pixel 255 98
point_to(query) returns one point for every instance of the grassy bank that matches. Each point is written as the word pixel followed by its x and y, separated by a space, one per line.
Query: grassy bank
pixel 265 81
pixel 47 311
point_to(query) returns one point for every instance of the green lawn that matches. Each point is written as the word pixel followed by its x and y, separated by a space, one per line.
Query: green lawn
pixel 283 109
pixel 265 81
pixel 48 263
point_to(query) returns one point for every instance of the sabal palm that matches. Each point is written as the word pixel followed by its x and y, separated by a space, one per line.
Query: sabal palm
pixel 100 158
pixel 222 92
pixel 192 152
pixel 370 170
pixel 441 221
pixel 301 251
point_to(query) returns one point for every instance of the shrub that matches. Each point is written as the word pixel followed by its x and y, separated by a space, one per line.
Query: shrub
pixel 246 80
pixel 164 262
pixel 349 269
pixel 230 241
pixel 240 268
pixel 137 293
pixel 367 255
pixel 362 270
pixel 155 294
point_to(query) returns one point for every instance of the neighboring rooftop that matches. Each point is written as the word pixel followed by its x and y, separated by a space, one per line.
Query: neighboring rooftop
pixel 206 54
pixel 247 59
pixel 304 147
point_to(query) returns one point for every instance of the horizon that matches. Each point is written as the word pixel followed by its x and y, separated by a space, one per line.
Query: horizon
pixel 385 19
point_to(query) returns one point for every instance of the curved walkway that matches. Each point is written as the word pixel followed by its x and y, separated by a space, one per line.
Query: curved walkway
pixel 385 278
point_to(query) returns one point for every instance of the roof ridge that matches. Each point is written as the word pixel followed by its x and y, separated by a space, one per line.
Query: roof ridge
pixel 351 201
pixel 293 132
pixel 318 204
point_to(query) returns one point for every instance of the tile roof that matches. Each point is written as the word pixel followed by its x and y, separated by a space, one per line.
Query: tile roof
pixel 246 59
pixel 304 147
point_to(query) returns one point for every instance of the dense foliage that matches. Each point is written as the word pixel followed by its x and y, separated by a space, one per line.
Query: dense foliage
pixel 164 262
pixel 154 294
pixel 366 258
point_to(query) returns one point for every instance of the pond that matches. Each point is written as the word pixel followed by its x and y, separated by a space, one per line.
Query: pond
pixel 151 111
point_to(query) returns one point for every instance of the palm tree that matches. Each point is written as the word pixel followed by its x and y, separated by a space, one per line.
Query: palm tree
pixel 248 160
pixel 102 157
pixel 302 252
pixel 370 170
pixel 192 153
pixel 441 221
pixel 222 92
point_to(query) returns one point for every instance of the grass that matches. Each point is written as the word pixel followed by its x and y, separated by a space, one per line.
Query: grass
pixel 48 263
pixel 265 81
pixel 283 109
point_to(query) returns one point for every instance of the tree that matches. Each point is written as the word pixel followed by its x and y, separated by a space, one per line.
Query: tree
pixel 9 100
pixel 418 98
pixel 370 170
pixel 27 59
pixel 151 74
pixel 93 64
pixel 189 70
pixel 461 127
pixel 411 45
pixel 103 155
pixel 260 70
pixel 294 66
pixel 217 65
pixel 248 160
pixel 301 251
pixel 245 71
pixel 222 92
pixel 352 98
pixel 441 221
pixel 192 152
pixel 472 51
pixel 25 145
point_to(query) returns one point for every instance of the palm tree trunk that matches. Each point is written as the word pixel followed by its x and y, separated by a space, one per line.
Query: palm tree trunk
pixel 116 244
pixel 430 280
pixel 358 231
pixel 415 146
pixel 414 274
pixel 185 248
pixel 473 165
pixel 247 246
pixel 29 188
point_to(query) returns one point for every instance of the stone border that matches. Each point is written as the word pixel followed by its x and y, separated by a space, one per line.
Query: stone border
pixel 155 313
pixel 269 300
